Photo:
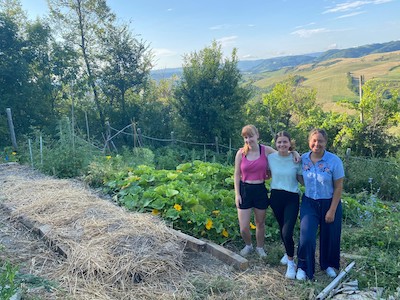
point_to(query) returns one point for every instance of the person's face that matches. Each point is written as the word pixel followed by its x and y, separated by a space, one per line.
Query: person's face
pixel 283 144
pixel 250 140
pixel 317 143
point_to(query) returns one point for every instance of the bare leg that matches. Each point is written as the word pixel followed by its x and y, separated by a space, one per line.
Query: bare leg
pixel 244 223
pixel 259 215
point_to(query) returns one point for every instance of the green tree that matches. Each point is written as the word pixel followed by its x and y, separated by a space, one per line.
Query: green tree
pixel 288 106
pixel 82 24
pixel 209 97
pixel 127 68
pixel 380 110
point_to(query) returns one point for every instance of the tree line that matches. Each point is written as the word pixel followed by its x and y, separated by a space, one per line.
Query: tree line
pixel 81 62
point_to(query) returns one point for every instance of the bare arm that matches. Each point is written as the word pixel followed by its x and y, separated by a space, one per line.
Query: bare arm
pixel 237 175
pixel 296 155
pixel 300 179
pixel 337 194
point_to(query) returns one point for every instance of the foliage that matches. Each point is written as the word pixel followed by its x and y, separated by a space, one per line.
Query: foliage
pixel 379 176
pixel 373 233
pixel 67 156
pixel 209 97
pixel 8 286
pixel 379 110
pixel 196 197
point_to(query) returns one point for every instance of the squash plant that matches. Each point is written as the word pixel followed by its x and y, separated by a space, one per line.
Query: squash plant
pixel 197 197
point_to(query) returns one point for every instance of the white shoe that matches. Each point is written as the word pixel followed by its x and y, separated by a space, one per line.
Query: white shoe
pixel 291 270
pixel 330 272
pixel 246 250
pixel 300 275
pixel 260 251
pixel 284 260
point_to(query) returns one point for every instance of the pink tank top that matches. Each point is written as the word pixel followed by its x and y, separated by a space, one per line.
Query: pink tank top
pixel 254 169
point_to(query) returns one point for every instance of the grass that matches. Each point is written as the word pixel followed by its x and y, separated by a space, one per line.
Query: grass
pixel 329 78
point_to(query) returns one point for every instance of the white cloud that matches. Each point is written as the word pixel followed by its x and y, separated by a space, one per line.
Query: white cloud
pixel 162 52
pixel 353 5
pixel 219 27
pixel 307 25
pixel 332 46
pixel 227 41
pixel 306 33
pixel 351 14
pixel 249 56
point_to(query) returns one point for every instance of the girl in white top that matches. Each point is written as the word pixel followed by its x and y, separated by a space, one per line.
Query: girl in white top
pixel 284 198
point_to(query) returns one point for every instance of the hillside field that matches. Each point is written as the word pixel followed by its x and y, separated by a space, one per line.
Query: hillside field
pixel 329 77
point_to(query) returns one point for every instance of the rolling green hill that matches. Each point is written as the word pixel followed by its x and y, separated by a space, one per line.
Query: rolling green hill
pixel 330 77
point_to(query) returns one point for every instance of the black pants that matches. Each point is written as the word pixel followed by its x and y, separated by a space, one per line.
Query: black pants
pixel 285 206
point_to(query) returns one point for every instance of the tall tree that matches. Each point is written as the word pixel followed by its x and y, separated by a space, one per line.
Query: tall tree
pixel 209 97
pixel 82 23
pixel 380 107
pixel 127 68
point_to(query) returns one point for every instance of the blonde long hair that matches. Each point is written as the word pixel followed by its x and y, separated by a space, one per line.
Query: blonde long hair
pixel 250 131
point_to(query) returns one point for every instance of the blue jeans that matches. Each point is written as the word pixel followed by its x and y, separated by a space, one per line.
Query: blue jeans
pixel 312 216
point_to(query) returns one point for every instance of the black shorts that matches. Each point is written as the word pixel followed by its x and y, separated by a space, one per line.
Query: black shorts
pixel 253 195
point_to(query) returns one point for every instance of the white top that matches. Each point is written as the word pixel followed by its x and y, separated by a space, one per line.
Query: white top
pixel 284 171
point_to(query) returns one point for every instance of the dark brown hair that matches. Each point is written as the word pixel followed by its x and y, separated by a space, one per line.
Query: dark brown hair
pixel 286 134
pixel 320 131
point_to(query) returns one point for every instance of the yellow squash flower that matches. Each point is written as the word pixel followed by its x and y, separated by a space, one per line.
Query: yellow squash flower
pixel 178 207
pixel 155 212
pixel 108 157
pixel 225 233
pixel 209 224
pixel 252 226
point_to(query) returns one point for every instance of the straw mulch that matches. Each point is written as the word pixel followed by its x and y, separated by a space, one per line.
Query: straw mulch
pixel 114 254
pixel 111 254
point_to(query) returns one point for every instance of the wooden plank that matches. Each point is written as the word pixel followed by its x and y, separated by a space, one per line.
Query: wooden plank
pixel 191 242
pixel 227 256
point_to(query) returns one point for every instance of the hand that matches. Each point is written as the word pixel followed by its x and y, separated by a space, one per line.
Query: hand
pixel 238 200
pixel 330 216
pixel 296 157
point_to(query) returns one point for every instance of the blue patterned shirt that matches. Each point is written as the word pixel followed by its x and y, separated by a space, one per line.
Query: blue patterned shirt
pixel 319 177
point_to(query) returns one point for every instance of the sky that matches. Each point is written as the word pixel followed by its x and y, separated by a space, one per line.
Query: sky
pixel 258 29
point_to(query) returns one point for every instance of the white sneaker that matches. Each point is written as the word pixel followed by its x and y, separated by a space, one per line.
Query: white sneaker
pixel 260 251
pixel 291 270
pixel 330 272
pixel 246 250
pixel 300 275
pixel 284 260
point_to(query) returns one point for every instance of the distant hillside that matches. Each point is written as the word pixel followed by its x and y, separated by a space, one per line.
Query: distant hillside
pixel 277 63
pixel 334 79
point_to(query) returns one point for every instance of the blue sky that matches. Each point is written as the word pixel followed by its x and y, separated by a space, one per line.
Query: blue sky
pixel 257 28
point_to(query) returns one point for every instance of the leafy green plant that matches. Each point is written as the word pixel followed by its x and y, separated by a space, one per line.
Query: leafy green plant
pixel 8 286
pixel 373 233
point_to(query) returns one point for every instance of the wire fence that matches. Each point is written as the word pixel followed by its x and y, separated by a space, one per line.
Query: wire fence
pixel 142 140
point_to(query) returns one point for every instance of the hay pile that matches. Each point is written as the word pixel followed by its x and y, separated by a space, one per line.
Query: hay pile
pixel 111 254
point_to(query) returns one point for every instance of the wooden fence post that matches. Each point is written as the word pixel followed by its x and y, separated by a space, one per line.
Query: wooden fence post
pixel 135 137
pixel 87 126
pixel 30 151
pixel 41 150
pixel 140 137
pixel 11 127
